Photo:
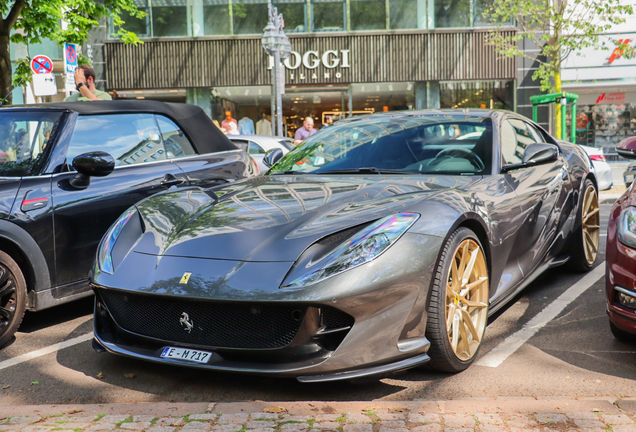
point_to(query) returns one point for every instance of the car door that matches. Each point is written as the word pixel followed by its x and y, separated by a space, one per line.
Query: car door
pixel 82 216
pixel 541 190
pixel 207 169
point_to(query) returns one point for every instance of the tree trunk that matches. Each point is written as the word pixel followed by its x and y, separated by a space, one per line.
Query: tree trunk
pixel 5 69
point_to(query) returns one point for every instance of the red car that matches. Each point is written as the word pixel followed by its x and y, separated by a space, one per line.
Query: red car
pixel 620 274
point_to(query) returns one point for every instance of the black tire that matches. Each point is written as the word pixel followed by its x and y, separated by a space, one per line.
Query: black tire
pixel 443 357
pixel 578 260
pixel 622 335
pixel 12 298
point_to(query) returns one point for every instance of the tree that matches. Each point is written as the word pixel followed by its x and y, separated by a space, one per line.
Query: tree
pixel 31 21
pixel 559 28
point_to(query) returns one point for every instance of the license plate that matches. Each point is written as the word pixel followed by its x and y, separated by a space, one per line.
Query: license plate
pixel 186 354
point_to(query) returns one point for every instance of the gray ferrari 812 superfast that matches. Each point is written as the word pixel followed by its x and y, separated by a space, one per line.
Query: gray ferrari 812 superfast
pixel 379 244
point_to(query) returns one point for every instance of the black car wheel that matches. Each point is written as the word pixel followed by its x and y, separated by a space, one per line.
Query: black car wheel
pixel 622 335
pixel 12 297
pixel 458 309
pixel 586 235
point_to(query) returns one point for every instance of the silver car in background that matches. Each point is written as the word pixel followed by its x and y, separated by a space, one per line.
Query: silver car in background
pixel 258 145
pixel 602 168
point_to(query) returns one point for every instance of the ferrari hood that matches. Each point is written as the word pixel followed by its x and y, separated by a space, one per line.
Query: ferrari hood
pixel 275 218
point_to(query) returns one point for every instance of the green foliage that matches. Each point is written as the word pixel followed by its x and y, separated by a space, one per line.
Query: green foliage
pixel 559 27
pixel 22 73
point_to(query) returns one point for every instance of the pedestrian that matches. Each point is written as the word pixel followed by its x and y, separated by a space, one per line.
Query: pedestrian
pixel 304 132
pixel 225 124
pixel 328 122
pixel 85 85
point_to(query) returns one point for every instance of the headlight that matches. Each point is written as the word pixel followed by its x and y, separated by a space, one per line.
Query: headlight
pixel 103 256
pixel 627 227
pixel 366 245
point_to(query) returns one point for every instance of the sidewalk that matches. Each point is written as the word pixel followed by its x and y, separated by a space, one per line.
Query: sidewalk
pixel 460 415
pixel 611 195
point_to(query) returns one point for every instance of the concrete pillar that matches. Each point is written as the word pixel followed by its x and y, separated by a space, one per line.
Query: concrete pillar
pixel 427 95
pixel 197 18
pixel 201 98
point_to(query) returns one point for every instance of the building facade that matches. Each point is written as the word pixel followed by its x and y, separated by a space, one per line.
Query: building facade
pixel 350 57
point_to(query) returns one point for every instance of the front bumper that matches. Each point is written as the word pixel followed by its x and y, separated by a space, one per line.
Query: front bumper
pixel 385 300
pixel 619 278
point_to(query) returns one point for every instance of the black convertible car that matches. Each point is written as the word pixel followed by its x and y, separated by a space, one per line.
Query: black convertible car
pixel 68 170
pixel 380 243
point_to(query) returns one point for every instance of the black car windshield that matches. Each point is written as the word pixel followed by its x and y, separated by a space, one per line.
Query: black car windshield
pixel 23 139
pixel 395 144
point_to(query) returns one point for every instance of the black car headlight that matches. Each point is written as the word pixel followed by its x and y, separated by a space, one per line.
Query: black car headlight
pixel 104 253
pixel 627 227
pixel 361 248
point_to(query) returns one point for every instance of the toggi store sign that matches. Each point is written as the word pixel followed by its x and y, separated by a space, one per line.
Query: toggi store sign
pixel 314 65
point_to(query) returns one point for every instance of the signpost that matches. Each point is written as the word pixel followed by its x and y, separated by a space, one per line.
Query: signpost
pixel 43 79
pixel 70 64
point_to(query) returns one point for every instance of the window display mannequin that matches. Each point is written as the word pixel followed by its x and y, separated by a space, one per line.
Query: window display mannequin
pixel 246 126
pixel 264 127
pixel 225 124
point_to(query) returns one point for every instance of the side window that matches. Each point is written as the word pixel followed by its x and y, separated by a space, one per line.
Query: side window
pixel 256 149
pixel 516 135
pixel 176 143
pixel 241 144
pixel 129 138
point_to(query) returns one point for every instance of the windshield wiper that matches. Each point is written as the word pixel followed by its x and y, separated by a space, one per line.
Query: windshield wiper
pixel 287 172
pixel 366 170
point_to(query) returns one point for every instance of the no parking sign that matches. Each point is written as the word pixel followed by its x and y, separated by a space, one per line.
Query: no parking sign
pixel 41 64
pixel 70 64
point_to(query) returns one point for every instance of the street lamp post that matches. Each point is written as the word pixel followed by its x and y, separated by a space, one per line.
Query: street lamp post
pixel 276 44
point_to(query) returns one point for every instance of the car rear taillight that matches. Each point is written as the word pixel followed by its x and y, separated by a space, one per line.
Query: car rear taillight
pixel 256 165
pixel 598 157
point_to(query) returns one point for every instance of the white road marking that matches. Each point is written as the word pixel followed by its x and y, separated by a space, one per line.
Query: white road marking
pixel 513 342
pixel 44 351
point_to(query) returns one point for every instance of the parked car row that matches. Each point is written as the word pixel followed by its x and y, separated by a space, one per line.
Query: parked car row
pixel 379 244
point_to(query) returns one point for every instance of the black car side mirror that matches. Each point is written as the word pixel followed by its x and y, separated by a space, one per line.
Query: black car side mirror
pixel 272 156
pixel 535 154
pixel 93 164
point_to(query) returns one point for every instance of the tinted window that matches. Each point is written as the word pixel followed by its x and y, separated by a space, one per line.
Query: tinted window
pixel 129 138
pixel 23 138
pixel 241 144
pixel 288 144
pixel 255 148
pixel 174 140
pixel 408 144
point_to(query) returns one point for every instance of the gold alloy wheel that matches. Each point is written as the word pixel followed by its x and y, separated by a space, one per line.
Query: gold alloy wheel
pixel 467 299
pixel 591 224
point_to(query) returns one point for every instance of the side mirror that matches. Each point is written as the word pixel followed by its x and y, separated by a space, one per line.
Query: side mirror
pixel 627 148
pixel 535 154
pixel 93 164
pixel 272 156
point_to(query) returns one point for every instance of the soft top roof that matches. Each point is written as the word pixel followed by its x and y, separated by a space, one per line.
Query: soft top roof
pixel 205 136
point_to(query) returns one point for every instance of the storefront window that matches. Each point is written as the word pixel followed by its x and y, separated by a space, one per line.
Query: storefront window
pixel 480 7
pixel 452 13
pixel 604 125
pixel 378 97
pixel 403 14
pixel 139 26
pixel 249 16
pixel 216 17
pixel 328 15
pixel 294 13
pixel 169 18
pixel 477 94
pixel 368 14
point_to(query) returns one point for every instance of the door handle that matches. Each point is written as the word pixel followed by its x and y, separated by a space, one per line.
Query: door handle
pixel 170 180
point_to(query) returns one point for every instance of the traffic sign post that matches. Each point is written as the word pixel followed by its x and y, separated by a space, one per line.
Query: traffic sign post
pixel 70 64
pixel 41 64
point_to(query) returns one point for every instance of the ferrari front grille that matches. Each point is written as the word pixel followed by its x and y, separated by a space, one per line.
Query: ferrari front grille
pixel 205 323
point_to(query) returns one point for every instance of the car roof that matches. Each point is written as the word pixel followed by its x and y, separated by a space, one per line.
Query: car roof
pixel 205 136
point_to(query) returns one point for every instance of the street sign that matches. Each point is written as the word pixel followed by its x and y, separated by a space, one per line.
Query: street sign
pixel 70 64
pixel 41 64
pixel 44 85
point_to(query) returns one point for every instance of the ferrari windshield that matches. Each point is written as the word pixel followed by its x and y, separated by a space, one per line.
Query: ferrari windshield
pixel 395 144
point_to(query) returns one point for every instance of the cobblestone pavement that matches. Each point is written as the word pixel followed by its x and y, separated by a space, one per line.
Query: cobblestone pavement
pixel 514 415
